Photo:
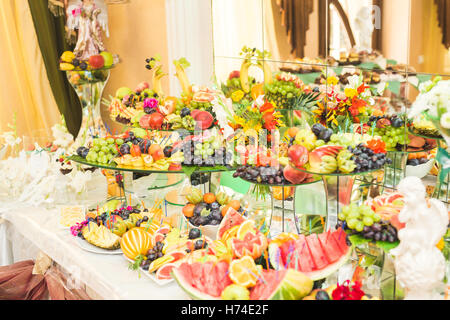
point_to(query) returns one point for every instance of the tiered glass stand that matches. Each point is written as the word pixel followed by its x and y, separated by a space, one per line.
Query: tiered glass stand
pixel 338 191
pixel 89 86
pixel 277 217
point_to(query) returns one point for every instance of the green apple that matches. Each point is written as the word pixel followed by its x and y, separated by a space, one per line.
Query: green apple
pixel 109 59
pixel 122 92
pixel 235 292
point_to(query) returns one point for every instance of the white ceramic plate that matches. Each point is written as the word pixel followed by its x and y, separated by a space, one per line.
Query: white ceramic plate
pixel 421 170
pixel 151 276
pixel 83 244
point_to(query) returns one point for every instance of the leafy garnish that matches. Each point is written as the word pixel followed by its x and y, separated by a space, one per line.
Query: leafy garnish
pixel 136 264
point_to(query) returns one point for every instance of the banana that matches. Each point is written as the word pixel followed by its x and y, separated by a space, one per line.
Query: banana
pixel 157 85
pixel 268 77
pixel 245 84
pixel 183 78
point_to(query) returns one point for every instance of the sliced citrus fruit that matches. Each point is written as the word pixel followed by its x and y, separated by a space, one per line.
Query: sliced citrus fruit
pixel 257 90
pixel 177 255
pixel 278 192
pixel 158 263
pixel 230 233
pixel 164 273
pixel 284 237
pixel 246 227
pixel 244 272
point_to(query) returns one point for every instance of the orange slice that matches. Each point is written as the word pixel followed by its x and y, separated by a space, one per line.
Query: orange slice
pixel 158 263
pixel 230 233
pixel 257 90
pixel 278 192
pixel 284 237
pixel 244 272
pixel 246 227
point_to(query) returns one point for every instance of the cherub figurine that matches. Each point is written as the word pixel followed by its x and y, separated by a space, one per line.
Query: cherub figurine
pixel 90 18
pixel 419 264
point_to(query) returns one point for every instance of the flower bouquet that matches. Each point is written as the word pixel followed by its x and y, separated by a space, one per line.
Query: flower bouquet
pixel 337 108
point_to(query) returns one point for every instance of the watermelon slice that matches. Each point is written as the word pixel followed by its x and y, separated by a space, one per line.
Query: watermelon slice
pixel 202 281
pixel 287 284
pixel 231 219
pixel 317 256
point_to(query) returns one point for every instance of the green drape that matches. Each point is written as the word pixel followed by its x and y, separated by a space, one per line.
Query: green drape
pixel 50 34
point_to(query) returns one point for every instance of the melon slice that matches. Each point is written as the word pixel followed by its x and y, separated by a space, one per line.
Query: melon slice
pixel 202 281
pixel 286 284
pixel 231 219
pixel 317 256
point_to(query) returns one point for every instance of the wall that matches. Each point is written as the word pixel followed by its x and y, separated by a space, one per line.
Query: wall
pixel 395 29
pixel 137 31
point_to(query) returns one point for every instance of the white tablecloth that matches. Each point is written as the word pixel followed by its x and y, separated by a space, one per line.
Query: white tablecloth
pixel 28 230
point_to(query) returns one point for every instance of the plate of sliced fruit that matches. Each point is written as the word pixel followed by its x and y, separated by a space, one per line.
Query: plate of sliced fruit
pixel 157 254
pixel 114 250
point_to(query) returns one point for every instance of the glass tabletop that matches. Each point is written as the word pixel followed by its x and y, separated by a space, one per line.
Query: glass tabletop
pixel 186 169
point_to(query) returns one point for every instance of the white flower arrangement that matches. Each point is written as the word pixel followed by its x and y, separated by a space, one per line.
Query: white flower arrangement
pixel 434 98
pixel 434 102
pixel 35 179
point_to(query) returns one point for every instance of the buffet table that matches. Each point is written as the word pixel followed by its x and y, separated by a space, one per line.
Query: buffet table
pixel 29 230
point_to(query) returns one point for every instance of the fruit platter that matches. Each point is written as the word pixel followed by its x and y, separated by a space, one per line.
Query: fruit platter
pixel 243 265
pixel 206 211
pixel 104 227
pixel 133 150
pixel 338 154
pixel 150 109
pixel 157 253
pixel 102 61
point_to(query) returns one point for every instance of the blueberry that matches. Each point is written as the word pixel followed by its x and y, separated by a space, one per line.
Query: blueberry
pixel 200 244
pixel 195 233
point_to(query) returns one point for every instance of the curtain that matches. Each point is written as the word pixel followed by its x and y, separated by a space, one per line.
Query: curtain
pixel 443 9
pixel 24 88
pixel 50 33
pixel 377 35
pixel 296 21
pixel 434 51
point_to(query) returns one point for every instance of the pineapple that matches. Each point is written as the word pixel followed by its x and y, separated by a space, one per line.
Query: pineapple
pixel 100 236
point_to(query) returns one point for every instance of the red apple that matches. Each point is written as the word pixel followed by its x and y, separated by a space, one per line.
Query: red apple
pixel 97 61
pixel 298 155
pixel 156 121
pixel 234 74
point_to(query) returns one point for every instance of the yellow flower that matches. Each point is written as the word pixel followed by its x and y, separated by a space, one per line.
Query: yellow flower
pixel 237 95
pixel 350 92
pixel 332 80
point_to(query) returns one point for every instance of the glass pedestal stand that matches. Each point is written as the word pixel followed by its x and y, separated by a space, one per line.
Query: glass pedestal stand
pixel 271 214
pixel 378 271
pixel 338 192
pixel 89 86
